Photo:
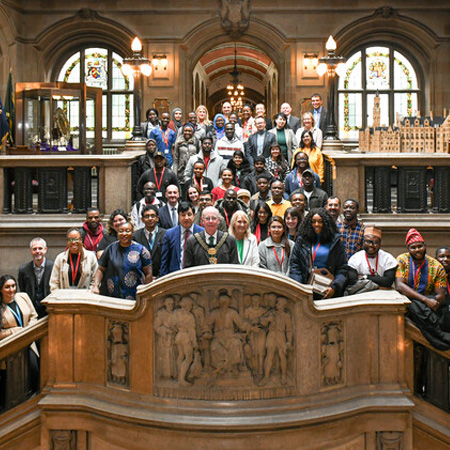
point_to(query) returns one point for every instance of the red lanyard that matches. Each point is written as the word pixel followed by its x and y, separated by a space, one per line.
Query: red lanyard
pixel 299 178
pixel 74 271
pixel 314 250
pixel 226 218
pixel 372 272
pixel 417 272
pixel 158 185
pixel 165 136
pixel 448 285
pixel 278 259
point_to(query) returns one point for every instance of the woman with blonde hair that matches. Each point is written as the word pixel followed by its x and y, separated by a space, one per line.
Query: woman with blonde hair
pixel 246 242
pixel 309 125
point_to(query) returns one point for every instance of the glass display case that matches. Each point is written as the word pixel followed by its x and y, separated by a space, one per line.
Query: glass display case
pixel 59 117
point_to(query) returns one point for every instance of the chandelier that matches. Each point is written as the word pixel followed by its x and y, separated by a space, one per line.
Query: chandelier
pixel 235 88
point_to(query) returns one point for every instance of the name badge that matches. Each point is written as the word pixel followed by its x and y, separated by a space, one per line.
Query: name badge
pixel 166 150
pixel 159 194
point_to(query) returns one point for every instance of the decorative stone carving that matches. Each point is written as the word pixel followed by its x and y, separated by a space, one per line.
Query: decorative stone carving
pixel 63 439
pixel 224 345
pixel 332 354
pixel 389 440
pixel 386 12
pixel 235 15
pixel 118 353
pixel 88 14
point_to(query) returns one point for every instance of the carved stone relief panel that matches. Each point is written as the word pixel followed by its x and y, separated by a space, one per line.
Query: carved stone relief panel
pixel 63 439
pixel 332 354
pixel 224 344
pixel 118 352
pixel 389 440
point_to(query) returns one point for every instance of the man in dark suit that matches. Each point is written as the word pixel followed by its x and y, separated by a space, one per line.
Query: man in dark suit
pixel 260 142
pixel 151 236
pixel 319 113
pixel 168 214
pixel 293 121
pixel 175 240
pixel 211 246
pixel 34 277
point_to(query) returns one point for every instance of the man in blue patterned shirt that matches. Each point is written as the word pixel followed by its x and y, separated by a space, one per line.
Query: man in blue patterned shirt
pixel 351 229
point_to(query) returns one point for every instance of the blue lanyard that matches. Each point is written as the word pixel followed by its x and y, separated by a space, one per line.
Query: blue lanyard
pixel 16 316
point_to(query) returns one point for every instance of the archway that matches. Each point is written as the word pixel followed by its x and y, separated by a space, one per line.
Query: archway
pixel 209 41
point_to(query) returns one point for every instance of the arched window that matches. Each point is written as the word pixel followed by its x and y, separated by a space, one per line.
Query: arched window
pixel 101 67
pixel 370 70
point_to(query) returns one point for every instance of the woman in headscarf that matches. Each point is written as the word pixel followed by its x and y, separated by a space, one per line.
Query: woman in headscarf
pixel 177 120
pixel 219 125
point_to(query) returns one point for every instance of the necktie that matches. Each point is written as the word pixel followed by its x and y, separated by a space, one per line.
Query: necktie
pixel 174 217
pixel 211 241
pixel 150 240
pixel 186 236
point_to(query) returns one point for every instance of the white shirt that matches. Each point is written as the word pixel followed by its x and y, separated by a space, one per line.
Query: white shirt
pixel 385 262
pixel 214 236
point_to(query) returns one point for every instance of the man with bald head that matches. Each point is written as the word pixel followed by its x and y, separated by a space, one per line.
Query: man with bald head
pixel 211 246
pixel 294 122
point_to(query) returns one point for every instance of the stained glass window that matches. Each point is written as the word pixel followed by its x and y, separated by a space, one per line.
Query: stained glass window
pixel 101 67
pixel 372 70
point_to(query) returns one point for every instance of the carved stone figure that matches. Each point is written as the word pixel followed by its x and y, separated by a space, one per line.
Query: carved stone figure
pixel 235 15
pixel 183 321
pixel 255 347
pixel 166 339
pixel 203 335
pixel 332 354
pixel 279 339
pixel 118 353
pixel 227 343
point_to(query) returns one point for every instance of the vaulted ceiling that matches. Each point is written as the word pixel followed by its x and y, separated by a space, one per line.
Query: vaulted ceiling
pixel 251 61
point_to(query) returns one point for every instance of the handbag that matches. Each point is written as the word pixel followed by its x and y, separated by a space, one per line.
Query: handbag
pixel 320 280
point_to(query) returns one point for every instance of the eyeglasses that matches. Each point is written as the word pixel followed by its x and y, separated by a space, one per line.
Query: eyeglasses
pixel 210 219
pixel 369 242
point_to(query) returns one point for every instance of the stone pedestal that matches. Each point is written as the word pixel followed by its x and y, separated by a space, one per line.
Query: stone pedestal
pixel 221 357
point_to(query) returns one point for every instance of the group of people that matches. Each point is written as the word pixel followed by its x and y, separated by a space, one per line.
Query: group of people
pixel 233 191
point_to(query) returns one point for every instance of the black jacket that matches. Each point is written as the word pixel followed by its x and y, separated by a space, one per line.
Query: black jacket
pixel 27 283
pixel 251 146
pixel 139 236
pixel 300 265
pixel 196 255
pixel 168 178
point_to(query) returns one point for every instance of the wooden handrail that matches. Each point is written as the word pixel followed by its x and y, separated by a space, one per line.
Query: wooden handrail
pixel 16 342
pixel 413 333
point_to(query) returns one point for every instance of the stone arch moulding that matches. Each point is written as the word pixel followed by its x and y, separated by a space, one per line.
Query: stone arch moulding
pixel 209 34
pixel 387 25
pixel 416 41
pixel 86 27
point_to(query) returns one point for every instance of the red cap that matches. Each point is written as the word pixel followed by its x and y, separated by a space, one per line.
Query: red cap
pixel 413 236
